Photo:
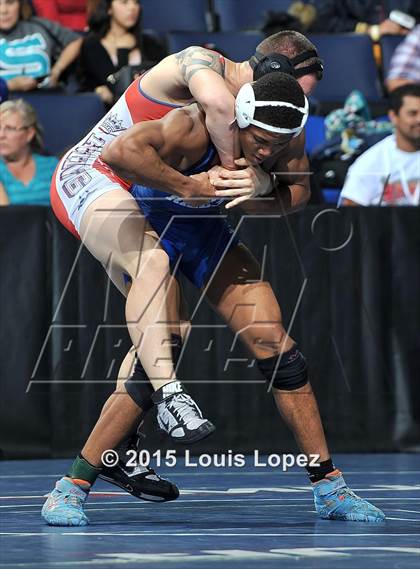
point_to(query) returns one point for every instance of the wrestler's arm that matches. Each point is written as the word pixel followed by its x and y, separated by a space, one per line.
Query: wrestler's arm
pixel 290 178
pixel 291 188
pixel 136 155
pixel 203 72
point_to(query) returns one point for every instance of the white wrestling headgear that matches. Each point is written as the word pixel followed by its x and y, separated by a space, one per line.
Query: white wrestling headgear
pixel 246 104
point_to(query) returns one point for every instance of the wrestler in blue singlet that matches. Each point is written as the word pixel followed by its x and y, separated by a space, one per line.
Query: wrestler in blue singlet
pixel 197 237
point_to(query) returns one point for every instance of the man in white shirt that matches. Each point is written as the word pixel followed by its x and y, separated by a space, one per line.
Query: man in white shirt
pixel 389 172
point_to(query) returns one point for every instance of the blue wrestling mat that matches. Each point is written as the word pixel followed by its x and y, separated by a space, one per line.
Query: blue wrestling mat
pixel 243 518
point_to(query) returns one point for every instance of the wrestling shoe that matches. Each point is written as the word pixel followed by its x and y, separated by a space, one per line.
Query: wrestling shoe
pixel 335 501
pixel 140 481
pixel 64 506
pixel 179 416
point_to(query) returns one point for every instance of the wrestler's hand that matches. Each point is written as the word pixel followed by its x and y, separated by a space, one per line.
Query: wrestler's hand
pixel 204 191
pixel 245 183
pixel 216 173
pixel 206 188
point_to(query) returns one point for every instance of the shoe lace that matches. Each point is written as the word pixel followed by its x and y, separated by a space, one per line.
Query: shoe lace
pixel 345 492
pixel 72 499
pixel 349 492
pixel 186 410
pixel 141 470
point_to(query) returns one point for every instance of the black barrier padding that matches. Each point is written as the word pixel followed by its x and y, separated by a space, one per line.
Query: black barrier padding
pixel 348 279
pixel 25 299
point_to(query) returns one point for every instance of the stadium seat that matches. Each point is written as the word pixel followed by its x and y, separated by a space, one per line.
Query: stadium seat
pixel 235 15
pixel 388 45
pixel 349 64
pixel 314 133
pixel 238 46
pixel 180 15
pixel 330 195
pixel 65 119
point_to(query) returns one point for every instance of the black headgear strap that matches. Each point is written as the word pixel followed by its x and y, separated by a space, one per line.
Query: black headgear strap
pixel 262 64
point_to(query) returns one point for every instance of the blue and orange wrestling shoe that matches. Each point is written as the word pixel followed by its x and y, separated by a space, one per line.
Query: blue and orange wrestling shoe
pixel 335 501
pixel 64 506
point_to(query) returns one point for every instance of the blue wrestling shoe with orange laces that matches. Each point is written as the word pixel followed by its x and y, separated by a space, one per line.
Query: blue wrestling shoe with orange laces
pixel 335 501
pixel 64 506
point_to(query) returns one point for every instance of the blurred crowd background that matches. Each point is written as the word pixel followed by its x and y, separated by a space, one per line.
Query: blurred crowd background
pixel 64 62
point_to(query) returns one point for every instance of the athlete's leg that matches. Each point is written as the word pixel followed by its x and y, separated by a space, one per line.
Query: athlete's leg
pixel 179 329
pixel 119 418
pixel 120 415
pixel 248 304
pixel 250 307
pixel 125 371
pixel 117 234
pixel 141 481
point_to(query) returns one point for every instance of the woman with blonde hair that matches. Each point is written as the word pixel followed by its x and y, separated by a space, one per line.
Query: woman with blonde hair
pixel 25 171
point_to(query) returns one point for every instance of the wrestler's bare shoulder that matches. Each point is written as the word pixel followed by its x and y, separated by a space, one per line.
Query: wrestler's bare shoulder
pixel 169 80
pixel 185 128
pixel 180 137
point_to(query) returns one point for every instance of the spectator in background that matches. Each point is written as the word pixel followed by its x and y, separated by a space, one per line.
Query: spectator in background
pixel 68 13
pixel 25 173
pixel 389 172
pixel 33 48
pixel 362 16
pixel 115 40
pixel 405 63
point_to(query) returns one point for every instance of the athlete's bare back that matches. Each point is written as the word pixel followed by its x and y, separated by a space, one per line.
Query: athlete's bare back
pixel 172 81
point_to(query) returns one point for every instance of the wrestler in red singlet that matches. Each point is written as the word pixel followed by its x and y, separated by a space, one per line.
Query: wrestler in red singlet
pixel 81 176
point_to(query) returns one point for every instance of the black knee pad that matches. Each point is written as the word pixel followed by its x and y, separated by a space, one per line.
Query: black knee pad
pixel 138 385
pixel 290 374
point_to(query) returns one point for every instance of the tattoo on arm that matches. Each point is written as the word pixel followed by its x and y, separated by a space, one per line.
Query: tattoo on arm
pixel 193 59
